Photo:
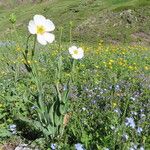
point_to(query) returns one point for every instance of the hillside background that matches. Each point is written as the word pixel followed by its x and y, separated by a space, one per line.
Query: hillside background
pixel 113 21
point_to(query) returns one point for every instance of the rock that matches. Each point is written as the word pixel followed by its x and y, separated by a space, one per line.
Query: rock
pixel 22 147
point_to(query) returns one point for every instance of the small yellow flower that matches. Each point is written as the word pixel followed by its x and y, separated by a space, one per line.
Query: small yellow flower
pixel 68 74
pixel 107 50
pixel 135 68
pixel 3 72
pixel 110 63
pixel 29 62
pixel 111 60
pixel 82 65
pixel 120 63
pixel 130 67
pixel 146 68
pixel 18 49
pixel 114 104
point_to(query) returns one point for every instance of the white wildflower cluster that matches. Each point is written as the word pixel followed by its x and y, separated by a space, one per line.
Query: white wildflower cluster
pixel 41 27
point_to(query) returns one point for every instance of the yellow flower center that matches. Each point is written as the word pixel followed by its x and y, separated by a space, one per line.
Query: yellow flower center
pixel 40 29
pixel 75 52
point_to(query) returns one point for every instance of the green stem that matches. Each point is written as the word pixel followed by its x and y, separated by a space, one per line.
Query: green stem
pixel 17 65
pixel 39 87
pixel 70 33
pixel 73 70
pixel 33 50
pixel 125 111
pixel 25 55
pixel 27 46
pixel 60 38
pixel 16 34
pixel 42 109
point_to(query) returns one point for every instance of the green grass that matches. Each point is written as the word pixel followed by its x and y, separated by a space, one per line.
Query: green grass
pixel 108 78
pixel 101 18
pixel 108 87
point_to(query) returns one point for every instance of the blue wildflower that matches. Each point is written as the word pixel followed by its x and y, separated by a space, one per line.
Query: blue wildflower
pixel 53 146
pixel 130 122
pixel 141 148
pixel 139 130
pixel 125 137
pixel 12 128
pixel 117 87
pixel 33 107
pixel 79 146
pixel 106 149
pixel 133 147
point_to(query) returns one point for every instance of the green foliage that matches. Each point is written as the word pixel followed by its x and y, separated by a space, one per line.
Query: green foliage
pixel 109 85
pixel 12 18
pixel 105 21
pixel 100 101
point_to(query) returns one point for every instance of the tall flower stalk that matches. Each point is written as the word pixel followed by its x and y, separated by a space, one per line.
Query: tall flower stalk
pixel 52 116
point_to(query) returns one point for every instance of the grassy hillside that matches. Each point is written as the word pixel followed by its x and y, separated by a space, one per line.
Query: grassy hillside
pixel 114 21
pixel 94 96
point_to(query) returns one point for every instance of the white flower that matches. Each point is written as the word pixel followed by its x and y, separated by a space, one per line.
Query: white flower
pixel 83 108
pixel 76 53
pixel 41 27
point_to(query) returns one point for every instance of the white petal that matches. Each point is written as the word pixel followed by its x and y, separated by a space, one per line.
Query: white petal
pixel 49 25
pixel 41 39
pixel 39 20
pixel 78 56
pixel 80 53
pixel 49 37
pixel 71 49
pixel 32 27
pixel 75 56
pixel 80 50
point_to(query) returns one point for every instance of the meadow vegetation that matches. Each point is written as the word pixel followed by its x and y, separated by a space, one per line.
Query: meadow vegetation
pixel 54 95
pixel 114 21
